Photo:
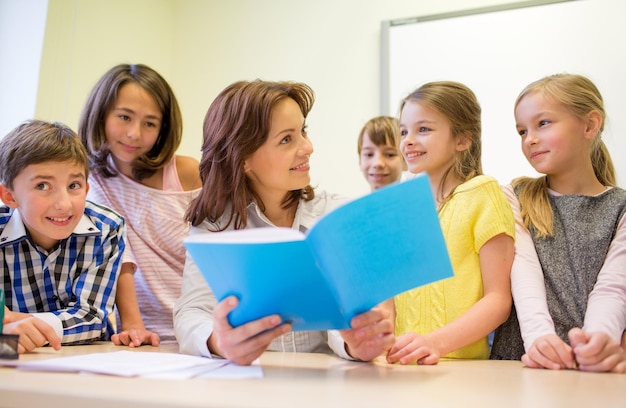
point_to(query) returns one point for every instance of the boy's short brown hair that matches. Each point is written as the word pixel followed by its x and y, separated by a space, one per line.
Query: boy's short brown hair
pixel 38 141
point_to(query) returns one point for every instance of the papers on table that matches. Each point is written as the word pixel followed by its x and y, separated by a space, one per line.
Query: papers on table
pixel 144 364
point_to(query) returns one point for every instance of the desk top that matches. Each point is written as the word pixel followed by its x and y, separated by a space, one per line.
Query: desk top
pixel 316 380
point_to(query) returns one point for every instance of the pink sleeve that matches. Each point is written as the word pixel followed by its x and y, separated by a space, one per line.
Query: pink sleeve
pixel 606 310
pixel 527 284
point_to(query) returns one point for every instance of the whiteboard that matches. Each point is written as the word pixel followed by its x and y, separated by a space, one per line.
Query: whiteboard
pixel 497 53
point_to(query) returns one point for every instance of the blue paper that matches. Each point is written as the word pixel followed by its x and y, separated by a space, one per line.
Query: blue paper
pixel 353 258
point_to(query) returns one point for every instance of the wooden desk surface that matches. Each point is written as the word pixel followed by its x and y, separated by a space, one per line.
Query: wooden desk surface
pixel 298 380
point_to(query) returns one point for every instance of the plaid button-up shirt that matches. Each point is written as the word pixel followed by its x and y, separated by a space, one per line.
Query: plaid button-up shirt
pixel 75 282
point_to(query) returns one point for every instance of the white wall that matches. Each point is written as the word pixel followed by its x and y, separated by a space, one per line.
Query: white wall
pixel 22 25
pixel 201 46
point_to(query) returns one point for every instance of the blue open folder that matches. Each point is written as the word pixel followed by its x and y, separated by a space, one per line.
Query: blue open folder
pixel 352 259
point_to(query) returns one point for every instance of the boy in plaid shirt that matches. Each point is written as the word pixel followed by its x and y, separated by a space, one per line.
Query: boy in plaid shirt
pixel 59 254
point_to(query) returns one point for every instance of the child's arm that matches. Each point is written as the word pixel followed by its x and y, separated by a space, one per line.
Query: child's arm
pixel 596 347
pixel 544 349
pixel 133 332
pixel 527 283
pixel 606 308
pixel 496 257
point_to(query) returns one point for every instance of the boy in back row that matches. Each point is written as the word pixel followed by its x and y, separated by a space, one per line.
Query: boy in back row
pixel 59 254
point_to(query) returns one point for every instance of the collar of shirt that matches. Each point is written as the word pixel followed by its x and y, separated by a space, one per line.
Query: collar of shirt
pixel 307 214
pixel 16 231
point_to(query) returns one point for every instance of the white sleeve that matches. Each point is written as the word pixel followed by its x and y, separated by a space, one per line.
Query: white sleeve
pixel 606 308
pixel 51 319
pixel 193 312
pixel 527 283
pixel 338 345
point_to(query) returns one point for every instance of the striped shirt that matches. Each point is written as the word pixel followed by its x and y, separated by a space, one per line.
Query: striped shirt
pixel 156 229
pixel 72 287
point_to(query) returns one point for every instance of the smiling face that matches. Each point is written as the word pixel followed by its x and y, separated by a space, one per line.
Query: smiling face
pixel 550 134
pixel 281 164
pixel 51 200
pixel 132 126
pixel 381 165
pixel 426 140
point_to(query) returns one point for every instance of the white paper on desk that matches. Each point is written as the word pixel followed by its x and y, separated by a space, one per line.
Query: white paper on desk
pixel 127 364
pixel 228 370
pixel 232 370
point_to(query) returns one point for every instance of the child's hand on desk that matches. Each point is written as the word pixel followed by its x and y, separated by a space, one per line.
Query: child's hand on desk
pixel 597 352
pixel 371 334
pixel 413 347
pixel 245 343
pixel 33 332
pixel 549 351
pixel 135 338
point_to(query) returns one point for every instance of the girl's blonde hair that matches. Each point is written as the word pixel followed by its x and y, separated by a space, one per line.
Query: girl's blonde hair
pixel 580 96
pixel 460 106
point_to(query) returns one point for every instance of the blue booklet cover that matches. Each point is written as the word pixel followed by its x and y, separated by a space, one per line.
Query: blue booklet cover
pixel 352 259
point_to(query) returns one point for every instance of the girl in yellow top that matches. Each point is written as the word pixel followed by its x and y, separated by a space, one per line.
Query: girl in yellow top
pixel 440 131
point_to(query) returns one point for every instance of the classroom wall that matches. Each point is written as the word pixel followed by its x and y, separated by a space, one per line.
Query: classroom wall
pixel 22 25
pixel 201 46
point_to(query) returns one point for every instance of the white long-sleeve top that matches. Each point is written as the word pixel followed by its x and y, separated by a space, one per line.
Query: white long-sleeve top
pixel 193 312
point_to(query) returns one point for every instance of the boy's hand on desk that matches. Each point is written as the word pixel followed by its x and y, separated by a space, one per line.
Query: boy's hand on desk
pixel 411 347
pixel 597 352
pixel 371 334
pixel 135 338
pixel 245 343
pixel 549 351
pixel 33 333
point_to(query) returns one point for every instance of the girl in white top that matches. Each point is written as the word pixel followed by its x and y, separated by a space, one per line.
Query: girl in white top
pixel 132 126
pixel 569 269
pixel 255 172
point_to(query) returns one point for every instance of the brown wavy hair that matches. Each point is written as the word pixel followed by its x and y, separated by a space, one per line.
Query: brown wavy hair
pixel 38 141
pixel 236 124
pixel 91 126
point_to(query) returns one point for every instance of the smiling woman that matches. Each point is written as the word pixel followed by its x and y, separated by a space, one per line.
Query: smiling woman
pixel 255 171
pixel 282 163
